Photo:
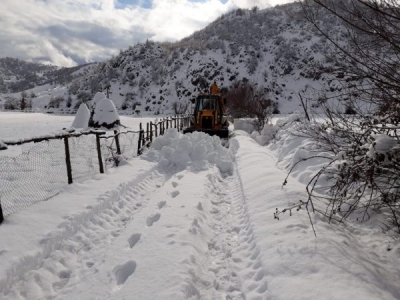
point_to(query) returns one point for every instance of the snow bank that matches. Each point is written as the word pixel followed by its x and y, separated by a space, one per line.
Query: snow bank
pixel 294 150
pixel 267 134
pixel 175 152
pixel 82 117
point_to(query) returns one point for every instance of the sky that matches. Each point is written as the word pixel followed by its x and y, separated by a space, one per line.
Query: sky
pixel 72 32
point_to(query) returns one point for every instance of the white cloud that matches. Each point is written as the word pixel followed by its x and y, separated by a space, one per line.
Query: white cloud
pixel 78 31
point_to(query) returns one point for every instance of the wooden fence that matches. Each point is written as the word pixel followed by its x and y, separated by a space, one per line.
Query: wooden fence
pixel 146 135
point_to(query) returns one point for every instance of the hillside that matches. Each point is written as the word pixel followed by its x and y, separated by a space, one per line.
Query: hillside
pixel 274 48
pixel 18 75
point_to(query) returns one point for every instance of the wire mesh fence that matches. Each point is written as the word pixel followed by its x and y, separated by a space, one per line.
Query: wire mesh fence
pixel 52 163
pixel 36 175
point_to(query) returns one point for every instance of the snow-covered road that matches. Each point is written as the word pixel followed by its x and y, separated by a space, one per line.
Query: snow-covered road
pixel 156 229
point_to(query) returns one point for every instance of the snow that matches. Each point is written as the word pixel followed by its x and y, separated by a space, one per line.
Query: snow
pixel 97 97
pixel 191 219
pixel 105 113
pixel 82 117
pixel 196 151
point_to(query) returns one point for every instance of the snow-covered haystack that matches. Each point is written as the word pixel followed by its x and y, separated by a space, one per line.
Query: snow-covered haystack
pixel 82 117
pixel 175 151
pixel 105 114
pixel 97 97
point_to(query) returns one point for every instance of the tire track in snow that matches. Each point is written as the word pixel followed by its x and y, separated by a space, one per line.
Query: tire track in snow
pixel 232 267
pixel 66 254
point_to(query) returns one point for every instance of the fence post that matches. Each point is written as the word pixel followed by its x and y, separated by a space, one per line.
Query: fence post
pixel 99 153
pixel 117 142
pixel 151 131
pixel 155 131
pixel 68 160
pixel 140 139
pixel 147 131
pixel 167 123
pixel 1 213
pixel 175 122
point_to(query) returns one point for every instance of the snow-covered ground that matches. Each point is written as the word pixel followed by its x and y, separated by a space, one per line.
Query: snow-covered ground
pixel 191 219
pixel 19 125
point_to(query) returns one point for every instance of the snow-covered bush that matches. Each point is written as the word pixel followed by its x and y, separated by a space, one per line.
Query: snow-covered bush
pixel 349 163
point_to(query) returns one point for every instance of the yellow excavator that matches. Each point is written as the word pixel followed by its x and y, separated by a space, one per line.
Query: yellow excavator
pixel 209 115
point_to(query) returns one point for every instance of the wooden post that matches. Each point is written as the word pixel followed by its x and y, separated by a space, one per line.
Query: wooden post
pixel 175 122
pixel 161 127
pixel 99 154
pixel 141 134
pixel 167 123
pixel 68 160
pixel 117 142
pixel 1 213
pixel 147 131
pixel 155 131
pixel 151 131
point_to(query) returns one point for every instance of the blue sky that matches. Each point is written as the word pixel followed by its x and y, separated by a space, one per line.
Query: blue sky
pixel 71 32
pixel 142 3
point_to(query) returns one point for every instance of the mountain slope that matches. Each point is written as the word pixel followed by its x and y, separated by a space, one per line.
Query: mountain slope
pixel 274 48
pixel 17 75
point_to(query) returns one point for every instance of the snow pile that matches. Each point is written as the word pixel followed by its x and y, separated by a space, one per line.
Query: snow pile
pixel 105 114
pixel 244 124
pixel 175 152
pixel 82 117
pixel 382 144
pixel 294 150
pixel 267 134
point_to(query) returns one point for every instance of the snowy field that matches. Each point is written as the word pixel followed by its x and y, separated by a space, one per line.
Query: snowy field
pixel 17 125
pixel 190 219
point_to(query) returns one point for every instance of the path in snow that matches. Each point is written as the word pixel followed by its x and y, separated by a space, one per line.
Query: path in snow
pixel 68 253
pixel 181 236
pixel 232 259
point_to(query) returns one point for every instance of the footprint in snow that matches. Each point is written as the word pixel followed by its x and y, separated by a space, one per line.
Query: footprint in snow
pixel 122 272
pixel 161 204
pixel 134 239
pixel 174 184
pixel 152 219
pixel 175 193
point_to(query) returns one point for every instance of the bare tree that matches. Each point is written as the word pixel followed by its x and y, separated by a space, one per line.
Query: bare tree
pixel 180 108
pixel 245 100
pixel 364 169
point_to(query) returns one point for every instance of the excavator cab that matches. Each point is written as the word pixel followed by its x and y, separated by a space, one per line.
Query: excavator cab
pixel 209 115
